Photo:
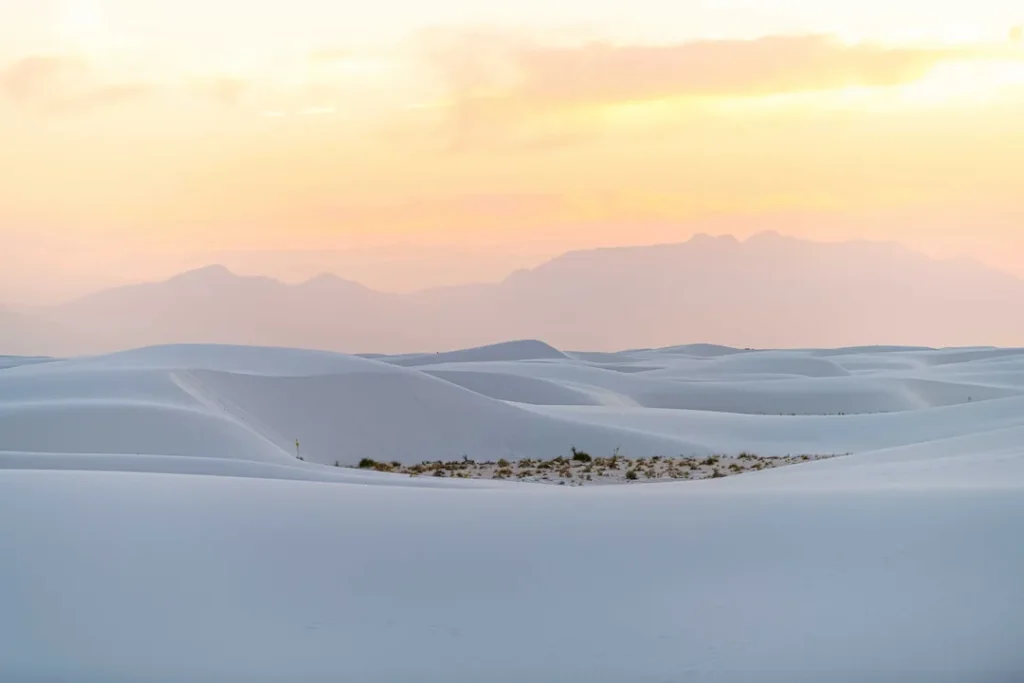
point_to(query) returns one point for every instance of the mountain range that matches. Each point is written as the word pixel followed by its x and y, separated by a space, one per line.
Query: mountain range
pixel 769 291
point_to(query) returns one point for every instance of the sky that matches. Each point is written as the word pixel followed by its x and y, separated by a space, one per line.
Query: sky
pixel 409 143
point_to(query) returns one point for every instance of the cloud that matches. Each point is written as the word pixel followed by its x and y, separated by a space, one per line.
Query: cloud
pixel 37 77
pixel 63 84
pixel 510 89
pixel 223 90
pixel 102 96
pixel 602 73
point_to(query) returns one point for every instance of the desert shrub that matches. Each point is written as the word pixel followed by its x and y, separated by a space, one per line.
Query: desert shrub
pixel 631 475
pixel 382 467
pixel 367 464
pixel 439 473
pixel 503 463
pixel 735 468
pixel 581 456
pixel 718 474
pixel 395 464
pixel 711 461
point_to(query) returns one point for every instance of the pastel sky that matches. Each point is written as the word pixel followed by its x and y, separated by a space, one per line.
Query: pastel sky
pixel 139 136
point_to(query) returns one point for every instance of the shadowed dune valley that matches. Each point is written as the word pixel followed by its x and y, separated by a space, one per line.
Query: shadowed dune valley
pixel 476 341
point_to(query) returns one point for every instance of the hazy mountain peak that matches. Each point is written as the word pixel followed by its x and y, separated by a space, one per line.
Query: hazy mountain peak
pixel 780 292
pixel 704 239
pixel 328 280
pixel 769 236
pixel 211 273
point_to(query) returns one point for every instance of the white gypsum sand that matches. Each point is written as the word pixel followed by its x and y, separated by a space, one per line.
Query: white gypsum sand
pixel 157 523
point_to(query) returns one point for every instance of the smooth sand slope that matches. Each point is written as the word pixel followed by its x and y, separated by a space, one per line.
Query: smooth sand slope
pixel 156 524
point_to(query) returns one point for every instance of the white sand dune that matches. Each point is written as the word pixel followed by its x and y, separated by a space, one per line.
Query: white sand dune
pixel 156 524
pixel 508 351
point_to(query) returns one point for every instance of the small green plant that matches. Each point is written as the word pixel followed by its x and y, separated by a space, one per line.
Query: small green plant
pixel 581 456
pixel 631 475
pixel 718 474
pixel 503 463
pixel 367 464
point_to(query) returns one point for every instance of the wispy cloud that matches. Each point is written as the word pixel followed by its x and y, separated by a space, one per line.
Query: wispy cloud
pixel 40 77
pixel 60 84
pixel 102 96
pixel 223 90
pixel 608 73
pixel 510 86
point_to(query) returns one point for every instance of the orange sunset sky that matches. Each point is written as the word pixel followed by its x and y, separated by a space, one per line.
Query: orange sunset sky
pixel 140 137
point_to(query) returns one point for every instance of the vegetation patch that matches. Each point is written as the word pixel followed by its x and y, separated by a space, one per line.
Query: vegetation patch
pixel 583 469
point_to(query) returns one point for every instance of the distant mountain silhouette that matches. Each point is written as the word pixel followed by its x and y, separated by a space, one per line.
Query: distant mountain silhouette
pixel 767 291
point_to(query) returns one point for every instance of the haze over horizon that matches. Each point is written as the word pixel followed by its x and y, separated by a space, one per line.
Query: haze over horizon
pixel 403 270
pixel 409 145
